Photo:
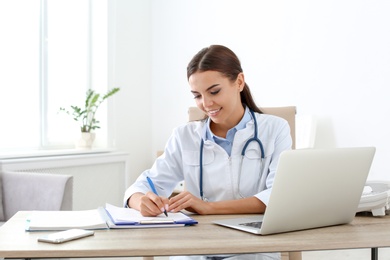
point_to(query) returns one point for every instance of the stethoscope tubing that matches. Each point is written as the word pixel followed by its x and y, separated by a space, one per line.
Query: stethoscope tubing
pixel 201 169
pixel 255 138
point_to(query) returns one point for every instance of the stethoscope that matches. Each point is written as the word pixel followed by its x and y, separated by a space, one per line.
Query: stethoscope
pixel 255 138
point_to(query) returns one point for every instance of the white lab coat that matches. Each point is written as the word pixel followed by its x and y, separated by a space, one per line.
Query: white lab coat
pixel 222 177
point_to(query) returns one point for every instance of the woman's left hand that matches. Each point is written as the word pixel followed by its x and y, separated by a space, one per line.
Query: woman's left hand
pixel 185 200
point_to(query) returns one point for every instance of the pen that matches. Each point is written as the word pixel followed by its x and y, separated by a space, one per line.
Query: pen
pixel 155 192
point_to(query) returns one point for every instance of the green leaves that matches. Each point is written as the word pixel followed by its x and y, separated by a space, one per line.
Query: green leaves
pixel 86 115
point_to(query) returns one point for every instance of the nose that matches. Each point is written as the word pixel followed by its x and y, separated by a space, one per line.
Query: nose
pixel 207 101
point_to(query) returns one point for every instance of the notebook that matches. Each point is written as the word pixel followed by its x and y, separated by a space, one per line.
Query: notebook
pixel 312 188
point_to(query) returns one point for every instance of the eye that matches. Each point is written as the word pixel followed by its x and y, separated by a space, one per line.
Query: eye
pixel 196 96
pixel 215 92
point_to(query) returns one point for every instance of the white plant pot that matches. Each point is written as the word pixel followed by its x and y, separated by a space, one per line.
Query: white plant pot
pixel 85 141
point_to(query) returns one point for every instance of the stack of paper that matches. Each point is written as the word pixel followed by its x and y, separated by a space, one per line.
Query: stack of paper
pixel 103 218
pixel 63 220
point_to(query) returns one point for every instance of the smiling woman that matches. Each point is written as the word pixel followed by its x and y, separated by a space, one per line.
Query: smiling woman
pixel 48 62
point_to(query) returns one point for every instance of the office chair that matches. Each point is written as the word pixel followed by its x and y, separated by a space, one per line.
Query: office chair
pixel 34 191
pixel 288 113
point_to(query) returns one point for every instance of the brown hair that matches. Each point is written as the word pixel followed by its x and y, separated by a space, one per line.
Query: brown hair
pixel 222 59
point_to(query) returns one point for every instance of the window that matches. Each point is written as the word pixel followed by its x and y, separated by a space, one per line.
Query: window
pixel 51 52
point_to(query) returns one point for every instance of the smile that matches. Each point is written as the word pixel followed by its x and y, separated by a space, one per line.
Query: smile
pixel 213 112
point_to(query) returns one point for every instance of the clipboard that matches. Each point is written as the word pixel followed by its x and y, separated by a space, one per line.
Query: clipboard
pixel 117 217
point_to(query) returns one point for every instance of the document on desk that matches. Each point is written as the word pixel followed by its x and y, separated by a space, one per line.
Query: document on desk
pixel 130 218
pixel 63 220
pixel 102 218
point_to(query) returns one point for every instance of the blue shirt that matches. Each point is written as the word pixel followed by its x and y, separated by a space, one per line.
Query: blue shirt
pixel 226 143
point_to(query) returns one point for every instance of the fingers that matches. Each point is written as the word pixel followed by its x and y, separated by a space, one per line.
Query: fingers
pixel 153 205
pixel 184 200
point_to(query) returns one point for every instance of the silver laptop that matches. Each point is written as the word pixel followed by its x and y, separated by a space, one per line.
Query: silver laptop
pixel 312 188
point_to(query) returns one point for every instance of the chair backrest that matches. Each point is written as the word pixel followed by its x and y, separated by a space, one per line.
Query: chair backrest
pixel 287 112
pixel 35 191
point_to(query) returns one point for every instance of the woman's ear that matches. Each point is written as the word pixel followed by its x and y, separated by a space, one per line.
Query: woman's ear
pixel 240 81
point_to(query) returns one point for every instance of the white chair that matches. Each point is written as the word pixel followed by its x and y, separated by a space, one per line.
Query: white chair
pixel 34 191
pixel 288 113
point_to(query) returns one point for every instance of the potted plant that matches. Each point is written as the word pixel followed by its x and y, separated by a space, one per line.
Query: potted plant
pixel 86 115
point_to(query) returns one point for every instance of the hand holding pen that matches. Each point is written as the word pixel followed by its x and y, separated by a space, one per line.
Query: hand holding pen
pixel 155 192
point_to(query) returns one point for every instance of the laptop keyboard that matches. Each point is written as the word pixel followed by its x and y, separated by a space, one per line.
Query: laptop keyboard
pixel 256 224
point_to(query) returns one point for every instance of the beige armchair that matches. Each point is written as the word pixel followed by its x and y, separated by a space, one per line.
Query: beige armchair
pixel 288 113
pixel 34 191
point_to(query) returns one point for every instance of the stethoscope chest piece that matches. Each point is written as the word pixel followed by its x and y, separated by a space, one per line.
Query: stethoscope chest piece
pixel 255 139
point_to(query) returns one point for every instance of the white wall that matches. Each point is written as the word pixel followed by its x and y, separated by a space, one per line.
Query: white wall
pixel 329 58
pixel 129 69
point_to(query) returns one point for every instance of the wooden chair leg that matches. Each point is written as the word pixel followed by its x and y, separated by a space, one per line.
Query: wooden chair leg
pixel 291 256
pixel 295 256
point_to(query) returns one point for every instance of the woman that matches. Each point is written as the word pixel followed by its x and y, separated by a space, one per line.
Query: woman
pixel 207 154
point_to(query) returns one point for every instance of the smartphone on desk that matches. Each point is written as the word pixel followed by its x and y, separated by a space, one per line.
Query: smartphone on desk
pixel 64 236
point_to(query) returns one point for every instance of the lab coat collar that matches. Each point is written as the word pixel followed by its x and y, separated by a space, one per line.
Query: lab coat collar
pixel 208 135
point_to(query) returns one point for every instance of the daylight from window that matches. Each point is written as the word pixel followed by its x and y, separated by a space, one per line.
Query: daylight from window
pixel 52 51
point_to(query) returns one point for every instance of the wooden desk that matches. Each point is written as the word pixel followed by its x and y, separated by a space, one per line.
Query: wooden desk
pixel 204 238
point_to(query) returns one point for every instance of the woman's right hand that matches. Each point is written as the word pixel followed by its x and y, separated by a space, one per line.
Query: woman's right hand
pixel 149 204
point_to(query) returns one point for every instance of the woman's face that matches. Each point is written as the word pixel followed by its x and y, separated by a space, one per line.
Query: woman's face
pixel 218 96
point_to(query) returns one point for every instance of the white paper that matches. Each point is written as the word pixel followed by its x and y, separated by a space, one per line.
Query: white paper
pixel 131 215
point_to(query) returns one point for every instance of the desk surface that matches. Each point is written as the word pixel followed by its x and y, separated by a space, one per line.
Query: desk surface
pixel 204 238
